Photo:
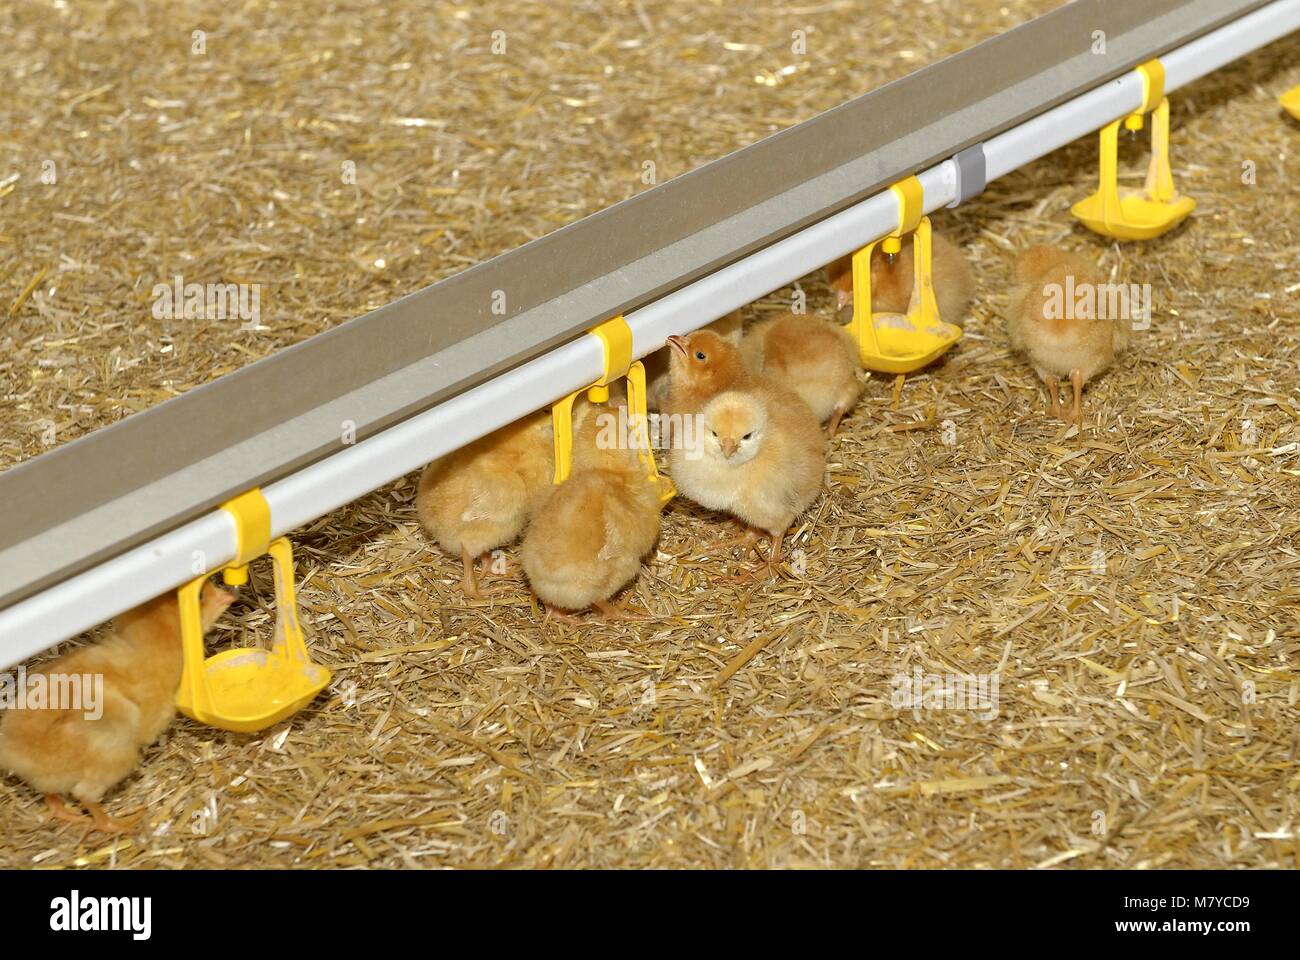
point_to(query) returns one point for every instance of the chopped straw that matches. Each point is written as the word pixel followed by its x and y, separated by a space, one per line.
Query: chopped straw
pixel 1133 586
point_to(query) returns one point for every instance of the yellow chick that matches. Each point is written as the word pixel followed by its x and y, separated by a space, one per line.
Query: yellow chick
pixel 588 540
pixel 480 497
pixel 1060 318
pixel 810 356
pixel 656 364
pixel 759 455
pixel 84 750
pixel 891 283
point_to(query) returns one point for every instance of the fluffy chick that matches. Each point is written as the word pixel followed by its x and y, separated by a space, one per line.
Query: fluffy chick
pixel 588 540
pixel 64 751
pixel 657 363
pixel 480 497
pixel 891 283
pixel 761 457
pixel 1076 343
pixel 810 356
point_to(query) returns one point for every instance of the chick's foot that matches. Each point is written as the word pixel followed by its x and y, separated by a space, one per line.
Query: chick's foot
pixel 748 539
pixel 563 616
pixel 469 584
pixel 59 811
pixel 109 824
pixel 622 611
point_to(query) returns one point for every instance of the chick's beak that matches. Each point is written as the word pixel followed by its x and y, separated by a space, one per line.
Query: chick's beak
pixel 729 447
pixel 678 345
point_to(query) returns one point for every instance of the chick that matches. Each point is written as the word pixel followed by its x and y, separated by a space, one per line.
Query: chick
pixel 760 457
pixel 1061 336
pixel 810 356
pixel 891 283
pixel 656 364
pixel 701 365
pixel 480 497
pixel 588 540
pixel 72 751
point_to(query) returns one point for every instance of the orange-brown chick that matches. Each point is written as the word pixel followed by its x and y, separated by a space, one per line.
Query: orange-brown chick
pixel 588 540
pixel 481 496
pixel 84 750
pixel 656 364
pixel 891 283
pixel 701 365
pixel 1063 336
pixel 760 456
pixel 811 356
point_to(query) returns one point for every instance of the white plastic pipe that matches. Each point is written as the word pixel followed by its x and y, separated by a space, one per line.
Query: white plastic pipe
pixel 166 562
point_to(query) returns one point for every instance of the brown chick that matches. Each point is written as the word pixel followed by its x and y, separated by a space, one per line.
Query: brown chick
pixel 891 283
pixel 760 457
pixel 480 497
pixel 810 356
pixel 1060 339
pixel 656 364
pixel 588 540
pixel 701 365
pixel 71 751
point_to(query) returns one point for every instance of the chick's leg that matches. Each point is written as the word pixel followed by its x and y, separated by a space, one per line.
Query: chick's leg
pixel 1054 395
pixel 1076 412
pixel 774 558
pixel 833 424
pixel 468 583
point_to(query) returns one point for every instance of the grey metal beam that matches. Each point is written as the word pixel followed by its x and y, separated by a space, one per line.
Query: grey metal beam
pixel 91 499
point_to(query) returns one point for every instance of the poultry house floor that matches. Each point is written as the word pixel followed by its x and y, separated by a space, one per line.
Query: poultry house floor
pixel 1132 588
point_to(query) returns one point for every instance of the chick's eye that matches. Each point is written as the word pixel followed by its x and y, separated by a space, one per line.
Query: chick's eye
pixel 699 355
pixel 715 434
pixel 748 435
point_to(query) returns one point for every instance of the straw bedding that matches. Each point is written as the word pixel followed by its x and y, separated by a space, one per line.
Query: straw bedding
pixel 1133 587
